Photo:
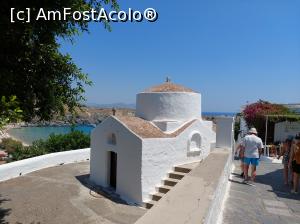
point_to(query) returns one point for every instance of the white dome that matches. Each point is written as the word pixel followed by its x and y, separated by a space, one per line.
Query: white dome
pixel 168 102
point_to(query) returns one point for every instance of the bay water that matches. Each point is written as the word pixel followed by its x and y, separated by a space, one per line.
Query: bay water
pixel 30 134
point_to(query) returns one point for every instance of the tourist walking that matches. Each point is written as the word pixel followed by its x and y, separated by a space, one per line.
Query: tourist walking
pixel 295 163
pixel 285 152
pixel 252 149
pixel 240 154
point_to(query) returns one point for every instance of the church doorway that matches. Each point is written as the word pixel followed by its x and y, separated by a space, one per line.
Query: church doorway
pixel 113 170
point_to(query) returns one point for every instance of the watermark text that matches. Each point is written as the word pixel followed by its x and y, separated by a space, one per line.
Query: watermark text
pixel 102 14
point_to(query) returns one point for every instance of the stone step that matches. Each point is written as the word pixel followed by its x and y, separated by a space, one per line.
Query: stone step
pixel 176 175
pixel 149 204
pixel 170 182
pixel 181 169
pixel 157 196
pixel 163 189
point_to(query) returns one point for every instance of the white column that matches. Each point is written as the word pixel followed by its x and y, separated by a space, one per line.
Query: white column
pixel 225 132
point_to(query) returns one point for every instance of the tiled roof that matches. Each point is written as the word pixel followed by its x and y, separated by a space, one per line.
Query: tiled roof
pixel 168 87
pixel 146 129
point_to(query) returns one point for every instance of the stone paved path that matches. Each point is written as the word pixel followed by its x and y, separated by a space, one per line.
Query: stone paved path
pixel 61 195
pixel 268 202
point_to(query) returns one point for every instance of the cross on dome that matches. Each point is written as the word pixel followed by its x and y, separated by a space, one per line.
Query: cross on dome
pixel 168 79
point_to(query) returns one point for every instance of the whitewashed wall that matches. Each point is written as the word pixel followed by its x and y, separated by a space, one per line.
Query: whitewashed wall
pixel 168 126
pixel 170 106
pixel 128 148
pixel 18 168
pixel 284 129
pixel 215 212
pixel 225 132
pixel 160 155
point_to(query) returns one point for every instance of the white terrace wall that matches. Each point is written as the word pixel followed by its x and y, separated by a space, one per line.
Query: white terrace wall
pixel 18 168
pixel 160 155
pixel 128 148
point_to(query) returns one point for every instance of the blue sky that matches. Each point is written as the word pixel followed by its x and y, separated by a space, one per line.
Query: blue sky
pixel 230 51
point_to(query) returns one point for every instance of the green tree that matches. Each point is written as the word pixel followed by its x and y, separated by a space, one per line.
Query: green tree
pixel 9 110
pixel 45 81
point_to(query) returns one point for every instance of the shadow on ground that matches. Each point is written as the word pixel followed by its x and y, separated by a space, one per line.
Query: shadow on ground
pixel 275 180
pixel 237 182
pixel 98 191
pixel 237 175
pixel 3 212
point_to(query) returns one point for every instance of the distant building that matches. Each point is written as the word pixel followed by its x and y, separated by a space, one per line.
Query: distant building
pixel 133 154
pixel 293 107
pixel 286 129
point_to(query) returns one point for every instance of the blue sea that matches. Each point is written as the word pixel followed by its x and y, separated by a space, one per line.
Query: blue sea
pixel 218 114
pixel 30 134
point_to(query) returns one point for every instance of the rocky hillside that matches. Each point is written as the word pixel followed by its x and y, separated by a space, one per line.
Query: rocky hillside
pixel 85 115
pixel 90 115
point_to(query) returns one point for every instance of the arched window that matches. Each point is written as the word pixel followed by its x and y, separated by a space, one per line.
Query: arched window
pixel 112 139
pixel 194 144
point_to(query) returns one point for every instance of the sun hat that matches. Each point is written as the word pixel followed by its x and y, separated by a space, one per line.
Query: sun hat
pixel 253 131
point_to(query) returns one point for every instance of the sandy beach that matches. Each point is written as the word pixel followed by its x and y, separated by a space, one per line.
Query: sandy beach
pixel 4 132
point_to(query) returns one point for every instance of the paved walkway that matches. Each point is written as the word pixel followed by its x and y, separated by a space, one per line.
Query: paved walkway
pixel 189 201
pixel 268 202
pixel 61 194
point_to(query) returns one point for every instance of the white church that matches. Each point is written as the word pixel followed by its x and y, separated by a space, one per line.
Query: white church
pixel 133 154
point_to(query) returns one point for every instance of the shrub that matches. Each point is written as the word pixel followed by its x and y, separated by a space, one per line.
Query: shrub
pixel 70 141
pixel 10 145
pixel 27 152
pixel 55 143
pixel 237 125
